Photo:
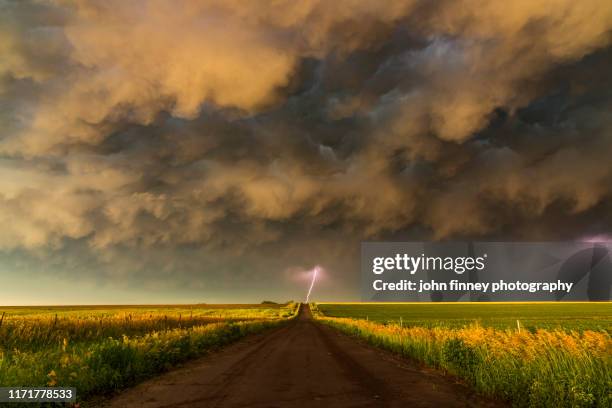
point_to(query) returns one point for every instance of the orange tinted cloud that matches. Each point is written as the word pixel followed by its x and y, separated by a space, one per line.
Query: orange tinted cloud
pixel 240 125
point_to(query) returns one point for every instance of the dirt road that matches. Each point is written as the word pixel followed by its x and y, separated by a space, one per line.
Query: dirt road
pixel 303 364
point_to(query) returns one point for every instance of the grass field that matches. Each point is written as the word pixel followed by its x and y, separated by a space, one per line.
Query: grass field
pixel 531 316
pixel 560 355
pixel 100 349
pixel 202 309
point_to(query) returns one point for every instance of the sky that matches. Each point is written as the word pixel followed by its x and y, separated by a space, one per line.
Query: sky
pixel 218 151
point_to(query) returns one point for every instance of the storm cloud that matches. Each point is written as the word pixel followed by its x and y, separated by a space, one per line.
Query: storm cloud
pixel 148 138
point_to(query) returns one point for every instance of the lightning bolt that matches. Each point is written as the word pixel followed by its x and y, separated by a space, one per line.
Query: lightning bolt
pixel 315 271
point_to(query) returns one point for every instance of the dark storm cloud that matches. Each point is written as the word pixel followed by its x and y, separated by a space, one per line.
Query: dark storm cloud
pixel 250 131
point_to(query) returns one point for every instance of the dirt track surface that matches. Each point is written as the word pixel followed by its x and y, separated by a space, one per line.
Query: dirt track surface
pixel 303 364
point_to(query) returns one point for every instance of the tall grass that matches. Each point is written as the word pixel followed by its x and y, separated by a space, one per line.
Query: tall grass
pixel 544 368
pixel 33 329
pixel 110 364
pixel 33 334
pixel 98 360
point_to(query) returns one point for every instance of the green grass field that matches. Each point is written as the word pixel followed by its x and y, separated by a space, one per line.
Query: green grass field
pixel 567 316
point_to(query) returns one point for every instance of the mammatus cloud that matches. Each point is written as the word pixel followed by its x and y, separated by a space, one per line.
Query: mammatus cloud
pixel 232 128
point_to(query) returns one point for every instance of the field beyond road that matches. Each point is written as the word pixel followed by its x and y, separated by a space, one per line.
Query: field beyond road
pixel 577 316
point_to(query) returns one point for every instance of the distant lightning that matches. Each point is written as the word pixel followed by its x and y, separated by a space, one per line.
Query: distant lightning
pixel 315 271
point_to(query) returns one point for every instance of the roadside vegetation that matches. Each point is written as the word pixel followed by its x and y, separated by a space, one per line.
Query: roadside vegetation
pixel 102 350
pixel 561 366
